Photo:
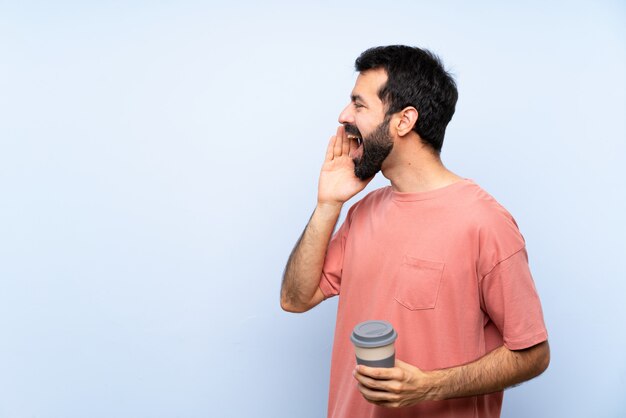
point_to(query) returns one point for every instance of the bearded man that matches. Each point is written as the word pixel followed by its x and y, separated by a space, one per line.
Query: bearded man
pixel 433 254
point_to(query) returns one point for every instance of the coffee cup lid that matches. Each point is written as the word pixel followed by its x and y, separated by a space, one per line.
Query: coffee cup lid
pixel 371 334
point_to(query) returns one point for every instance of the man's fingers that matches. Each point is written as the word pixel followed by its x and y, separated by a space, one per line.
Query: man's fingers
pixel 377 396
pixel 341 133
pixel 339 145
pixel 380 373
pixel 330 149
pixel 338 142
pixel 371 383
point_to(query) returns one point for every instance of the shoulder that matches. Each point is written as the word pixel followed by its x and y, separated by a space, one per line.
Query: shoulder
pixel 371 201
pixel 484 210
pixel 494 227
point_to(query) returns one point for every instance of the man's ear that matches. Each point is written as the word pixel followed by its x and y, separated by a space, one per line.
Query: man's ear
pixel 407 120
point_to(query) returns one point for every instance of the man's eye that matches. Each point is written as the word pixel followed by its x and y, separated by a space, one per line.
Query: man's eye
pixel 358 105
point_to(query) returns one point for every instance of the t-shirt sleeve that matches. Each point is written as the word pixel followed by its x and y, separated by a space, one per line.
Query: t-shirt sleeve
pixel 510 299
pixel 330 282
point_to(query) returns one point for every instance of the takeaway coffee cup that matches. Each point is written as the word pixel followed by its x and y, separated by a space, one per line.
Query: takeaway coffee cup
pixel 374 343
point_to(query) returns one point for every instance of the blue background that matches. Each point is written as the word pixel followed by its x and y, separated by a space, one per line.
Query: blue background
pixel 158 160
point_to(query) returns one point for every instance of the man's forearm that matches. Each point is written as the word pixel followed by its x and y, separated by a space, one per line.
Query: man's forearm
pixel 406 385
pixel 304 267
pixel 497 370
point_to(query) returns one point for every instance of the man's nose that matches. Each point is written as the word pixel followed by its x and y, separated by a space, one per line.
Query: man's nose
pixel 346 115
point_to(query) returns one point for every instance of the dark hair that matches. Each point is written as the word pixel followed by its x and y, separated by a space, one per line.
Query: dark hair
pixel 415 77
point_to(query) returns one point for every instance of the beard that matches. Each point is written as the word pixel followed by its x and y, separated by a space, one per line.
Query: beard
pixel 376 147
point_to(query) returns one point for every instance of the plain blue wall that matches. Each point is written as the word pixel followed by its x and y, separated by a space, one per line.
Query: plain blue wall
pixel 158 162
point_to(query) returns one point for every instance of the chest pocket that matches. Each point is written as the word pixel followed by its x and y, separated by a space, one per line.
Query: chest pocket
pixel 418 282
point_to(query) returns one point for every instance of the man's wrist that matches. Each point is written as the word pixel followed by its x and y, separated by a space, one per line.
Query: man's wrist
pixel 438 384
pixel 329 209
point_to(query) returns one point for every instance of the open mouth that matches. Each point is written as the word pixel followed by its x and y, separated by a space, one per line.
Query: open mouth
pixel 358 152
pixel 359 140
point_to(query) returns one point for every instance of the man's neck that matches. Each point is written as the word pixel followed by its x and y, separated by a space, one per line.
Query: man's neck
pixel 419 174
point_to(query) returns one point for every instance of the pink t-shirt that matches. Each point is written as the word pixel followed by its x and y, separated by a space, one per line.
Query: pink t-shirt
pixel 448 268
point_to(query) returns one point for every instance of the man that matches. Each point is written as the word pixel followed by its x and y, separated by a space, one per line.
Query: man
pixel 433 254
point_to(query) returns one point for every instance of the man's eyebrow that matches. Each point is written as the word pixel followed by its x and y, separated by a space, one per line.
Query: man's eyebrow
pixel 356 97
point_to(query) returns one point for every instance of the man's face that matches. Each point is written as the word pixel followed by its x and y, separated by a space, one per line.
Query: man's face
pixel 365 122
pixel 372 151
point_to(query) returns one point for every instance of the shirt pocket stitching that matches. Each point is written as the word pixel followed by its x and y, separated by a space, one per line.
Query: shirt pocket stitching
pixel 418 283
